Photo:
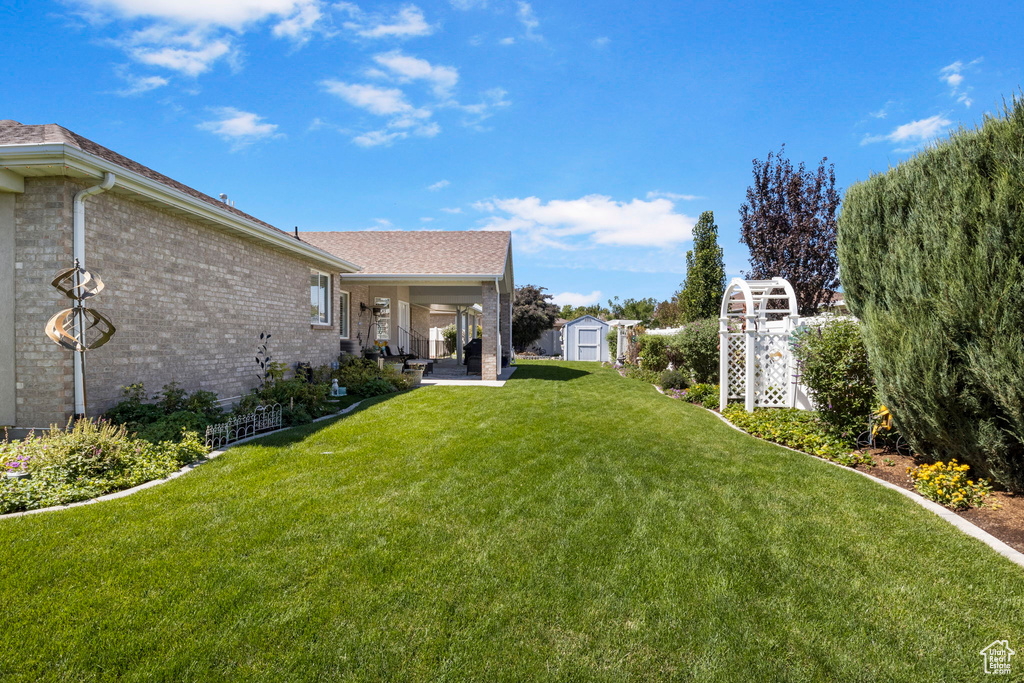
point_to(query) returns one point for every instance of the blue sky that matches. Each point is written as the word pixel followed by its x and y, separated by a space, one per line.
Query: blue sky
pixel 597 132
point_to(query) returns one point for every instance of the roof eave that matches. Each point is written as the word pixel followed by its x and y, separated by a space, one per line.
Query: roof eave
pixel 68 156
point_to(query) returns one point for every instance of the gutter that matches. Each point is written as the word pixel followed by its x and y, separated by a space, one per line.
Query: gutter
pixel 59 158
pixel 78 253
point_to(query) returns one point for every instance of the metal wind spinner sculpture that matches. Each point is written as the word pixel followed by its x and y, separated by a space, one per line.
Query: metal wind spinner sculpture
pixel 79 328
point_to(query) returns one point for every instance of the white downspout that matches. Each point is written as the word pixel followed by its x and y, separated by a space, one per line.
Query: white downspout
pixel 78 254
pixel 497 320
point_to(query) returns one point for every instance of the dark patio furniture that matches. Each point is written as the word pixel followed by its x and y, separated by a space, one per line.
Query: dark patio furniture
pixel 473 354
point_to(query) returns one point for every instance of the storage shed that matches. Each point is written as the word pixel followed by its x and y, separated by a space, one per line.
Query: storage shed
pixel 585 338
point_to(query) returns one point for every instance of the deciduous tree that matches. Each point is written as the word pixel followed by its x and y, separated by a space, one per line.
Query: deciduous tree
pixel 789 224
pixel 532 315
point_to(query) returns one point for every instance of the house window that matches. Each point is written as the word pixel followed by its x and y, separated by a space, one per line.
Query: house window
pixel 319 298
pixel 343 314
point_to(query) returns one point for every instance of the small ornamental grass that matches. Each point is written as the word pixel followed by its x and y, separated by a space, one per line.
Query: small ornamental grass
pixel 947 484
pixel 802 430
pixel 85 461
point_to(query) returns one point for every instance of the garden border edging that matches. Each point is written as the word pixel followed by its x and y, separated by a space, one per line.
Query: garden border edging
pixel 956 520
pixel 173 475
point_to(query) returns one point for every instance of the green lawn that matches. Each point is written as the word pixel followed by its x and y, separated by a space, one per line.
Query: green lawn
pixel 571 525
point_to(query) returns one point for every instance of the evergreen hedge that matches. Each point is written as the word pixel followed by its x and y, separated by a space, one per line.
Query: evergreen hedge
pixel 932 262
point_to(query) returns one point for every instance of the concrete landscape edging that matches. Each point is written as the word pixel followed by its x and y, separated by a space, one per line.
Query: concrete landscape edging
pixel 173 475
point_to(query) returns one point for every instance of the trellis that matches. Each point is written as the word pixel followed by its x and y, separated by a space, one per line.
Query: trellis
pixel 756 364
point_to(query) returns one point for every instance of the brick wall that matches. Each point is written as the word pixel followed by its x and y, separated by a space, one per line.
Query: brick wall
pixel 44 378
pixel 489 323
pixel 188 300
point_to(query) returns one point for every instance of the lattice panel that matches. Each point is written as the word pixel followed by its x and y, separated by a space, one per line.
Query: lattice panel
pixel 771 380
pixel 737 357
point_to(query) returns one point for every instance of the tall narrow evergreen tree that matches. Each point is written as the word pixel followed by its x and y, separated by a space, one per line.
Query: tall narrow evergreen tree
pixel 702 291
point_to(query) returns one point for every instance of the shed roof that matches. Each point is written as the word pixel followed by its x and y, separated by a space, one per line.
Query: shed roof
pixel 419 252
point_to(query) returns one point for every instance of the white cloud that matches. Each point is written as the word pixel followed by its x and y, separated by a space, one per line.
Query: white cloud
pixel 658 194
pixel 601 42
pixel 190 36
pixel 375 138
pixel 299 26
pixel 883 112
pixel 406 23
pixel 426 219
pixel 380 101
pixel 593 220
pixel 442 79
pixel 468 4
pixel 140 84
pixel 916 132
pixel 229 13
pixel 239 127
pixel 952 75
pixel 452 210
pixel 439 185
pixel 529 21
pixel 189 61
pixel 507 41
pixel 575 299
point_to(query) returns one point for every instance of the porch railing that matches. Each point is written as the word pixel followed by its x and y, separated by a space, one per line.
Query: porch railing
pixel 417 345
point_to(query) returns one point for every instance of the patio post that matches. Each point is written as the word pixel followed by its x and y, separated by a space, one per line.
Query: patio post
pixel 458 334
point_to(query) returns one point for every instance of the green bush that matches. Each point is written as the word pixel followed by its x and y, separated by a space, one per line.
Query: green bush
pixel 292 395
pixel 642 374
pixel 695 350
pixel 613 342
pixel 703 394
pixel 833 364
pixel 363 377
pixel 802 430
pixel 932 259
pixel 88 460
pixel 163 420
pixel 651 348
pixel 674 379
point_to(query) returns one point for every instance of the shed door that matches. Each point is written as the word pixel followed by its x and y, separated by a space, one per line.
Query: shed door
pixel 588 343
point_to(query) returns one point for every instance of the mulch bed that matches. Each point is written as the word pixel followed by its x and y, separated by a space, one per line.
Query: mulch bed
pixel 1005 523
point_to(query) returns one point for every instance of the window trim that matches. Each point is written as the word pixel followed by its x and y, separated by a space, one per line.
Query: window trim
pixel 345 314
pixel 327 298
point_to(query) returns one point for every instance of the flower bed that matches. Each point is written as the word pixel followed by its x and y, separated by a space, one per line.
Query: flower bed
pixel 91 459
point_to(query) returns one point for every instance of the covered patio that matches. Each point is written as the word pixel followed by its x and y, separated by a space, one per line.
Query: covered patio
pixel 407 275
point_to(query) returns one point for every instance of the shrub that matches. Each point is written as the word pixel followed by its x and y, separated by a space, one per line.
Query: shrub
pixel 450 335
pixel 833 365
pixel 642 374
pixel 88 460
pixel 695 349
pixel 362 377
pixel 613 343
pixel 290 394
pixel 947 484
pixel 174 410
pixel 802 430
pixel 673 379
pixel 703 394
pixel 376 387
pixel 651 350
pixel 932 257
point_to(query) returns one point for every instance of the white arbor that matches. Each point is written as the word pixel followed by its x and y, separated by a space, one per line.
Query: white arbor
pixel 755 360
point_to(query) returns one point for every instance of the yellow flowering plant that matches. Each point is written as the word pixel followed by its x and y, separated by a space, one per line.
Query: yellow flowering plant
pixel 947 484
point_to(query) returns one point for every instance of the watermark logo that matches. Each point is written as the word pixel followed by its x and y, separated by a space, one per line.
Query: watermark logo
pixel 997 657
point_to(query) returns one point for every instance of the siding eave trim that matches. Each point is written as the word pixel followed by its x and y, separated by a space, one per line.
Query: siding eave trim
pixel 66 157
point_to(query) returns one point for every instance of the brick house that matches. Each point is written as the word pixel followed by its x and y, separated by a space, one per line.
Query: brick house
pixel 191 281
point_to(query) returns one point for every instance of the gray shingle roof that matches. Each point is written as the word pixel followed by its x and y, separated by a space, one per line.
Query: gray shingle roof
pixel 14 133
pixel 418 252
